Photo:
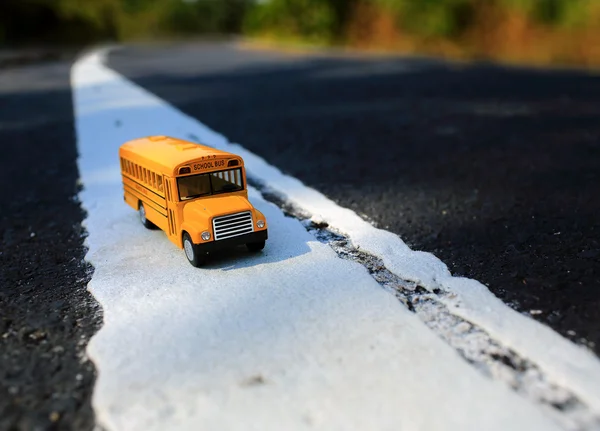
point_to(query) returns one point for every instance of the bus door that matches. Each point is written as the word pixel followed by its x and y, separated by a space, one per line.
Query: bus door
pixel 170 195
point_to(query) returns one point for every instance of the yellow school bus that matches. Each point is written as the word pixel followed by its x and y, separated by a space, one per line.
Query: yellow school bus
pixel 196 194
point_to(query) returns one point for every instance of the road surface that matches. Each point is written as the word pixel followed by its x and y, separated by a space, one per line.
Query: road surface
pixel 491 169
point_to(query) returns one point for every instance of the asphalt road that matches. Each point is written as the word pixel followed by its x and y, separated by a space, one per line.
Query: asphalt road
pixel 493 169
pixel 46 314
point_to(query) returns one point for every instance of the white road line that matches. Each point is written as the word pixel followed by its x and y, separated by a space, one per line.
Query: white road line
pixel 295 338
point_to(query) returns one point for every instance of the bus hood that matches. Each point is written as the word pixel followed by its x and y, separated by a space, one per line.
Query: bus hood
pixel 216 206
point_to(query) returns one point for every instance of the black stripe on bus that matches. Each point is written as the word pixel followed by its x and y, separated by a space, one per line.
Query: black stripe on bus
pixel 146 188
pixel 141 197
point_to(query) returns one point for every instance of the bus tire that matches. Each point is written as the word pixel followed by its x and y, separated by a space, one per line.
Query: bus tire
pixel 255 246
pixel 147 223
pixel 191 251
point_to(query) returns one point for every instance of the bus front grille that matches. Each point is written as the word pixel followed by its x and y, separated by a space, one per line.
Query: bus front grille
pixel 232 225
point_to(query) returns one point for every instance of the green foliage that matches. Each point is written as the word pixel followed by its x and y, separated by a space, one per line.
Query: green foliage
pixel 569 14
pixel 432 18
pixel 562 13
pixel 309 19
pixel 325 19
pixel 178 17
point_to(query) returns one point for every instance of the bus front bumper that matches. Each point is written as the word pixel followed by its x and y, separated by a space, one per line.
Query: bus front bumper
pixel 257 236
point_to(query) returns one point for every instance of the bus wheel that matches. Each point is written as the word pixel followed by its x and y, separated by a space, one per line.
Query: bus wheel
pixel 147 223
pixel 191 251
pixel 255 246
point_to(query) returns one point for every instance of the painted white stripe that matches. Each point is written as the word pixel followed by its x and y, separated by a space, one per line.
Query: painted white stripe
pixel 291 339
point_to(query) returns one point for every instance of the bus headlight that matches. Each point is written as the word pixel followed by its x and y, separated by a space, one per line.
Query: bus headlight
pixel 205 236
pixel 260 224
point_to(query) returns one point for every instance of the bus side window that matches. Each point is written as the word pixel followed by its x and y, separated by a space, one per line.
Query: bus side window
pixel 160 184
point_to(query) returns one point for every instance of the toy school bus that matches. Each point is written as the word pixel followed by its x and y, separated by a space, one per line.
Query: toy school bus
pixel 196 194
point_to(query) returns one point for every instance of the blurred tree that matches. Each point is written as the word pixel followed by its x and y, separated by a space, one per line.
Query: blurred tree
pixel 202 16
pixel 433 18
pixel 314 20
pixel 567 13
pixel 327 19
pixel 562 13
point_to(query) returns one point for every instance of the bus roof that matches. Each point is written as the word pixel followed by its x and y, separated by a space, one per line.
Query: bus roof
pixel 170 152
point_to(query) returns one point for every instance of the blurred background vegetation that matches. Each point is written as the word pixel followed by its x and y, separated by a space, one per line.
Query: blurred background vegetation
pixel 533 31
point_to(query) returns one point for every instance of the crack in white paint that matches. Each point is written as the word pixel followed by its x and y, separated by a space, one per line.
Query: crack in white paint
pixel 294 338
pixel 472 342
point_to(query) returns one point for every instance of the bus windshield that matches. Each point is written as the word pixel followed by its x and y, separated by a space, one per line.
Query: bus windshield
pixel 194 186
